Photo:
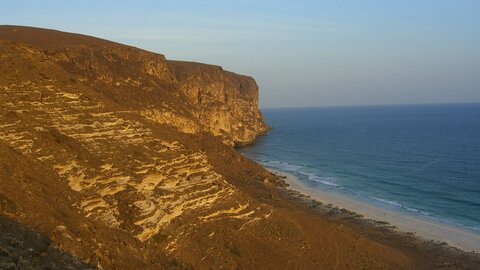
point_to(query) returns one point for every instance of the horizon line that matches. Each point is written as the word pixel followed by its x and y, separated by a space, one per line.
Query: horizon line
pixel 372 105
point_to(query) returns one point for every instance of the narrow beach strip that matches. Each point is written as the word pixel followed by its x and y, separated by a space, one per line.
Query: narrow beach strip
pixel 467 240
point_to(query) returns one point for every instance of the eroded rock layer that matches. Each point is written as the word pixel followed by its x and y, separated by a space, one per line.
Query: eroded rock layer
pixel 225 102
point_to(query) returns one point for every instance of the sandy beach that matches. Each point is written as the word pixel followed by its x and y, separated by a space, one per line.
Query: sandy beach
pixel 464 239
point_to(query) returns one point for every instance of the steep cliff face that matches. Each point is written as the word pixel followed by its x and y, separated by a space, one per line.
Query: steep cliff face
pixel 225 102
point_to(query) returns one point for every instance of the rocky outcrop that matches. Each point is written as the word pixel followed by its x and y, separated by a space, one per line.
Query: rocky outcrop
pixel 226 103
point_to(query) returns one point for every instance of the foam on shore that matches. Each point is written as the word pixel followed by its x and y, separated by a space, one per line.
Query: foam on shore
pixel 467 240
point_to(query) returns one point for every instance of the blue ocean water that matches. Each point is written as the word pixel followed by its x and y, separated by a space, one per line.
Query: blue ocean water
pixel 419 159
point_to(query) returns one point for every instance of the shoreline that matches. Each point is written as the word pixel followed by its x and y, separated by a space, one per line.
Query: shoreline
pixel 464 239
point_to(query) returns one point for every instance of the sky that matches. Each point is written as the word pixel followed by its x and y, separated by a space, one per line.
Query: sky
pixel 301 53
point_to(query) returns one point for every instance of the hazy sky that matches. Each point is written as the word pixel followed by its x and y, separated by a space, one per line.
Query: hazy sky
pixel 302 53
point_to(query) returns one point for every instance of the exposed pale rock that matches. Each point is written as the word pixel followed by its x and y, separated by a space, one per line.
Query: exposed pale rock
pixel 226 103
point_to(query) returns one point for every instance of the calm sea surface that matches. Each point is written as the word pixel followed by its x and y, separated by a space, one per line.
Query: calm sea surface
pixel 419 159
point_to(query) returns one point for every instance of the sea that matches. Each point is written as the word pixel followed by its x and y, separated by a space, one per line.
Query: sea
pixel 421 160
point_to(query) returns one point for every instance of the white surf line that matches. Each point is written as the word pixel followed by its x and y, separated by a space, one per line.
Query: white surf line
pixel 456 236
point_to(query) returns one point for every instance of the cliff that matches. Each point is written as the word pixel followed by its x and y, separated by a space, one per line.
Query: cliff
pixel 115 157
pixel 225 102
